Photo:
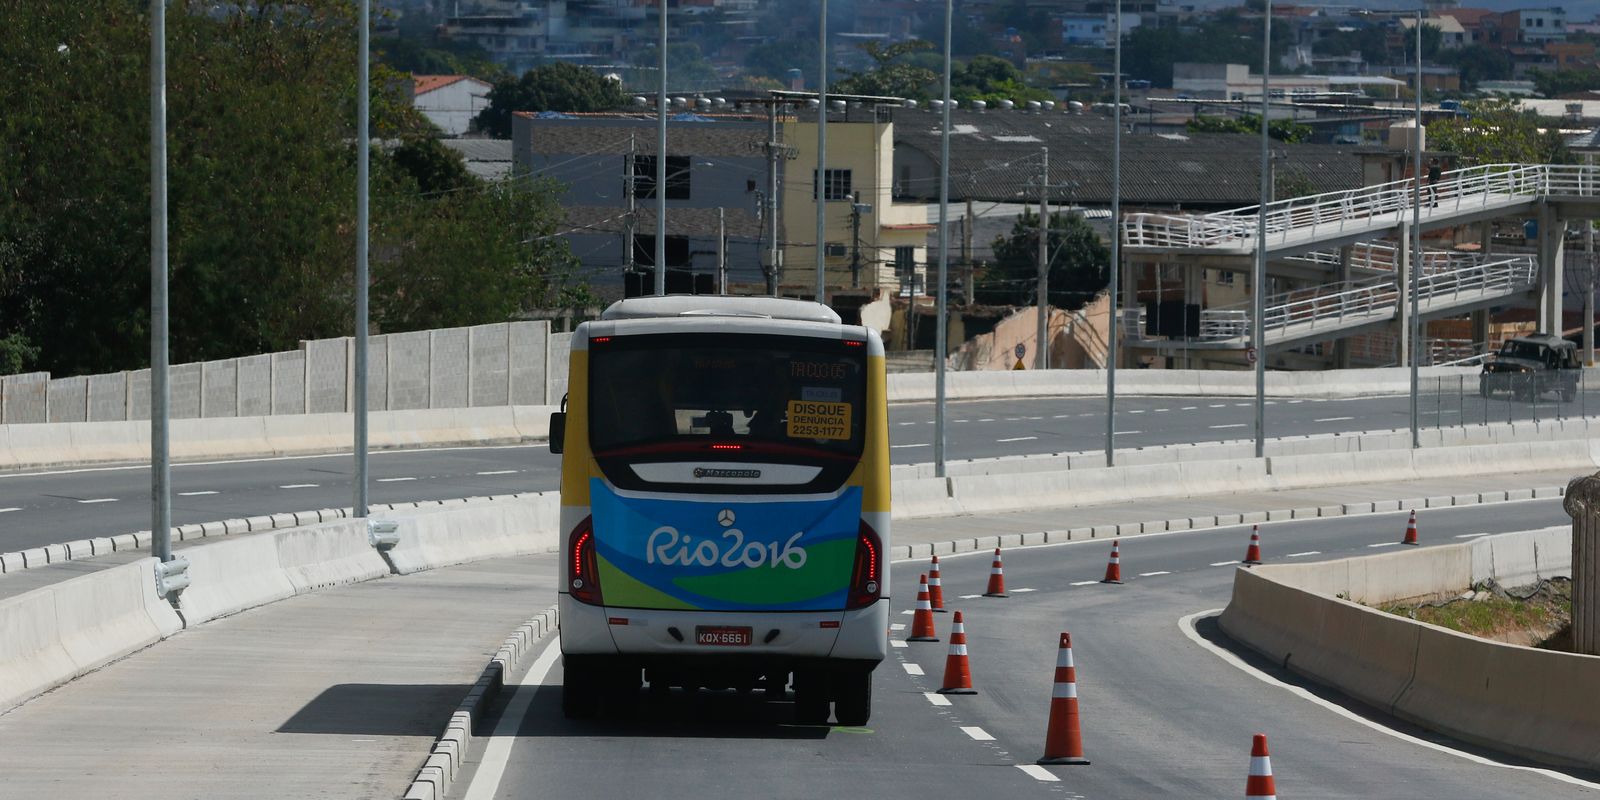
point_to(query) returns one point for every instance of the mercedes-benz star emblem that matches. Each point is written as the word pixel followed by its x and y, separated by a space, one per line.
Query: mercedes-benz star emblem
pixel 725 517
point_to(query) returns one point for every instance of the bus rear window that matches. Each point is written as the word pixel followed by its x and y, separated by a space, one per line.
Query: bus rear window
pixel 789 391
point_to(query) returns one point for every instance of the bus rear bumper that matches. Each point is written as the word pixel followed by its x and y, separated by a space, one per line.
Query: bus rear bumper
pixel 857 635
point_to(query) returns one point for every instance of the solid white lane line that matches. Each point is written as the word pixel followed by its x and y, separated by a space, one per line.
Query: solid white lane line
pixel 1085 583
pixel 1334 419
pixel 99 500
pixel 1018 439
pixel 1035 771
pixel 903 446
pixel 1186 625
pixel 913 669
pixel 936 698
pixel 896 643
pixel 492 767
pixel 1223 563
pixel 394 480
pixel 195 494
pixel 299 486
pixel 977 733
pixel 1384 544
pixel 1020 591
pixel 498 472
pixel 1234 425
pixel 1153 574
pixel 1306 553
pixel 1471 535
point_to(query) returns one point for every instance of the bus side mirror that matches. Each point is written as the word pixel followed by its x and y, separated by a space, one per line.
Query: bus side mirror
pixel 558 431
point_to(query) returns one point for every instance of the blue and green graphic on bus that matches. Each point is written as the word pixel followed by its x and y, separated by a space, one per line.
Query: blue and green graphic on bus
pixel 725 556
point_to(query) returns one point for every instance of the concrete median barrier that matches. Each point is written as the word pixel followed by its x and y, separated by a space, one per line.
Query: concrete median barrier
pixel 58 632
pixel 455 535
pixel 1534 703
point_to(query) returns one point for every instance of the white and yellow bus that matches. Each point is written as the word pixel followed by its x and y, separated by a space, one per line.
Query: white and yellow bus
pixel 724 504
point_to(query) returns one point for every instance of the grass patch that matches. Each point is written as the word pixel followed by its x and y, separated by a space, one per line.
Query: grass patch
pixel 1533 615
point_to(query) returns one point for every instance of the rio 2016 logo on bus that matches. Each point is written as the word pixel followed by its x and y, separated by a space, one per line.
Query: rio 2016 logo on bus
pixel 689 554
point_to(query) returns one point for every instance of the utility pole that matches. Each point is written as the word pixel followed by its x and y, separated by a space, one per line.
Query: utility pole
pixel 1417 258
pixel 772 197
pixel 628 220
pixel 722 252
pixel 1041 351
pixel 363 224
pixel 855 240
pixel 942 303
pixel 661 158
pixel 160 468
pixel 1116 250
pixel 968 273
pixel 1258 295
pixel 821 183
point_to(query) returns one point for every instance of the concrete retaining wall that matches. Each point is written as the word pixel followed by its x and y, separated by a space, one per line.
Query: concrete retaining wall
pixel 58 632
pixel 1534 703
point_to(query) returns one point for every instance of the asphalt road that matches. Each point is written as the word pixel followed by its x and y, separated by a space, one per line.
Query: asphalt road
pixel 39 508
pixel 1162 716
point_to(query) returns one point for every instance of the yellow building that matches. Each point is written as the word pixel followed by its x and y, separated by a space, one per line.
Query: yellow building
pixel 885 241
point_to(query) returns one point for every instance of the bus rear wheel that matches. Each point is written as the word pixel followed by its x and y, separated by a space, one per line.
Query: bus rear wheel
pixel 852 697
pixel 580 688
pixel 811 698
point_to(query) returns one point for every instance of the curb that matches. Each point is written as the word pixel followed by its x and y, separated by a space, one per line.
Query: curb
pixel 1127 530
pixel 140 540
pixel 450 750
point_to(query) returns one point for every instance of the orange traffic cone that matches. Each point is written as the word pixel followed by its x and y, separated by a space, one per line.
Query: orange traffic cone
pixel 1259 784
pixel 1114 566
pixel 957 674
pixel 1411 530
pixel 1252 554
pixel 1063 741
pixel 997 578
pixel 935 589
pixel 922 619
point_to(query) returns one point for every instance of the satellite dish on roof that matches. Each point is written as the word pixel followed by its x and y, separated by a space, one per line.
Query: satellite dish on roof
pixel 909 104
pixel 980 105
pixel 1007 105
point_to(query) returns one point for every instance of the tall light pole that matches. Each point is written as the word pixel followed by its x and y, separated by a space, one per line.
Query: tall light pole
pixel 1041 355
pixel 1417 260
pixel 363 132
pixel 1116 246
pixel 1258 297
pixel 821 187
pixel 160 469
pixel 661 154
pixel 940 349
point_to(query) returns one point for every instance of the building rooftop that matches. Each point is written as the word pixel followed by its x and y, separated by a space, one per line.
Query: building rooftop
pixel 422 84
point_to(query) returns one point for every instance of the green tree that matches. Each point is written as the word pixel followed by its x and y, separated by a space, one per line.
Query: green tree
pixel 1371 42
pixel 1432 37
pixel 1478 63
pixel 557 86
pixel 1498 132
pixel 774 60
pixel 1565 81
pixel 1149 51
pixel 1078 263
pixel 966 38
pixel 891 74
pixel 1283 130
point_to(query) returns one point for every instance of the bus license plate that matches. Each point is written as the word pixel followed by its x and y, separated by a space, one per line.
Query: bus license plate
pixel 722 636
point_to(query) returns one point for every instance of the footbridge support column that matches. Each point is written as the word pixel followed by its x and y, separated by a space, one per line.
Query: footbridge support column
pixel 1552 258
pixel 1341 346
pixel 1402 277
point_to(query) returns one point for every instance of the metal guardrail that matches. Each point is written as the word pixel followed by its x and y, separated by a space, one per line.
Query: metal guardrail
pixel 1457 191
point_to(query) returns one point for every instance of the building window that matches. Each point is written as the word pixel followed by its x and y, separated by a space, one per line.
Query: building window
pixel 1225 278
pixel 644 177
pixel 835 250
pixel 837 185
pixel 905 260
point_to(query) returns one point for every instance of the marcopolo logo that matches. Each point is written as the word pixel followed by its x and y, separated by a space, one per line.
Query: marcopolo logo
pixel 668 547
pixel 711 472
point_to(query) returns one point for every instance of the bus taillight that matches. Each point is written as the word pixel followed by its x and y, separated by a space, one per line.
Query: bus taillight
pixel 866 578
pixel 583 576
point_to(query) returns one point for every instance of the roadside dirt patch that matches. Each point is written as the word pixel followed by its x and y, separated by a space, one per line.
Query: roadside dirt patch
pixel 1532 616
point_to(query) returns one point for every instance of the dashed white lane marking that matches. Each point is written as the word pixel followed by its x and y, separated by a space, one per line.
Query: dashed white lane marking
pixel 1085 583
pixel 1020 591
pixel 1470 535
pixel 1086 414
pixel 896 643
pixel 299 486
pixel 978 734
pixel 970 596
pixel 1036 772
pixel 987 419
pixel 1223 563
pixel 1384 544
pixel 913 669
pixel 99 500
pixel 897 626
pixel 1033 418
pixel 394 480
pixel 1295 402
pixel 1303 555
pixel 1013 419
pixel 905 423
pixel 1018 439
pixel 1188 408
pixel 1334 419
pixel 936 698
pixel 195 494
pixel 1186 625
pixel 1163 409
pixel 498 472
pixel 1128 433
pixel 903 446
pixel 1234 425
pixel 1153 574
pixel 1061 416
pixel 1217 405
pixel 4 510
pixel 1241 405
pixel 1137 411
pixel 908 612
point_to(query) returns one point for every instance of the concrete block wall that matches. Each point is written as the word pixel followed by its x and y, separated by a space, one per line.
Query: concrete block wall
pixel 25 397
